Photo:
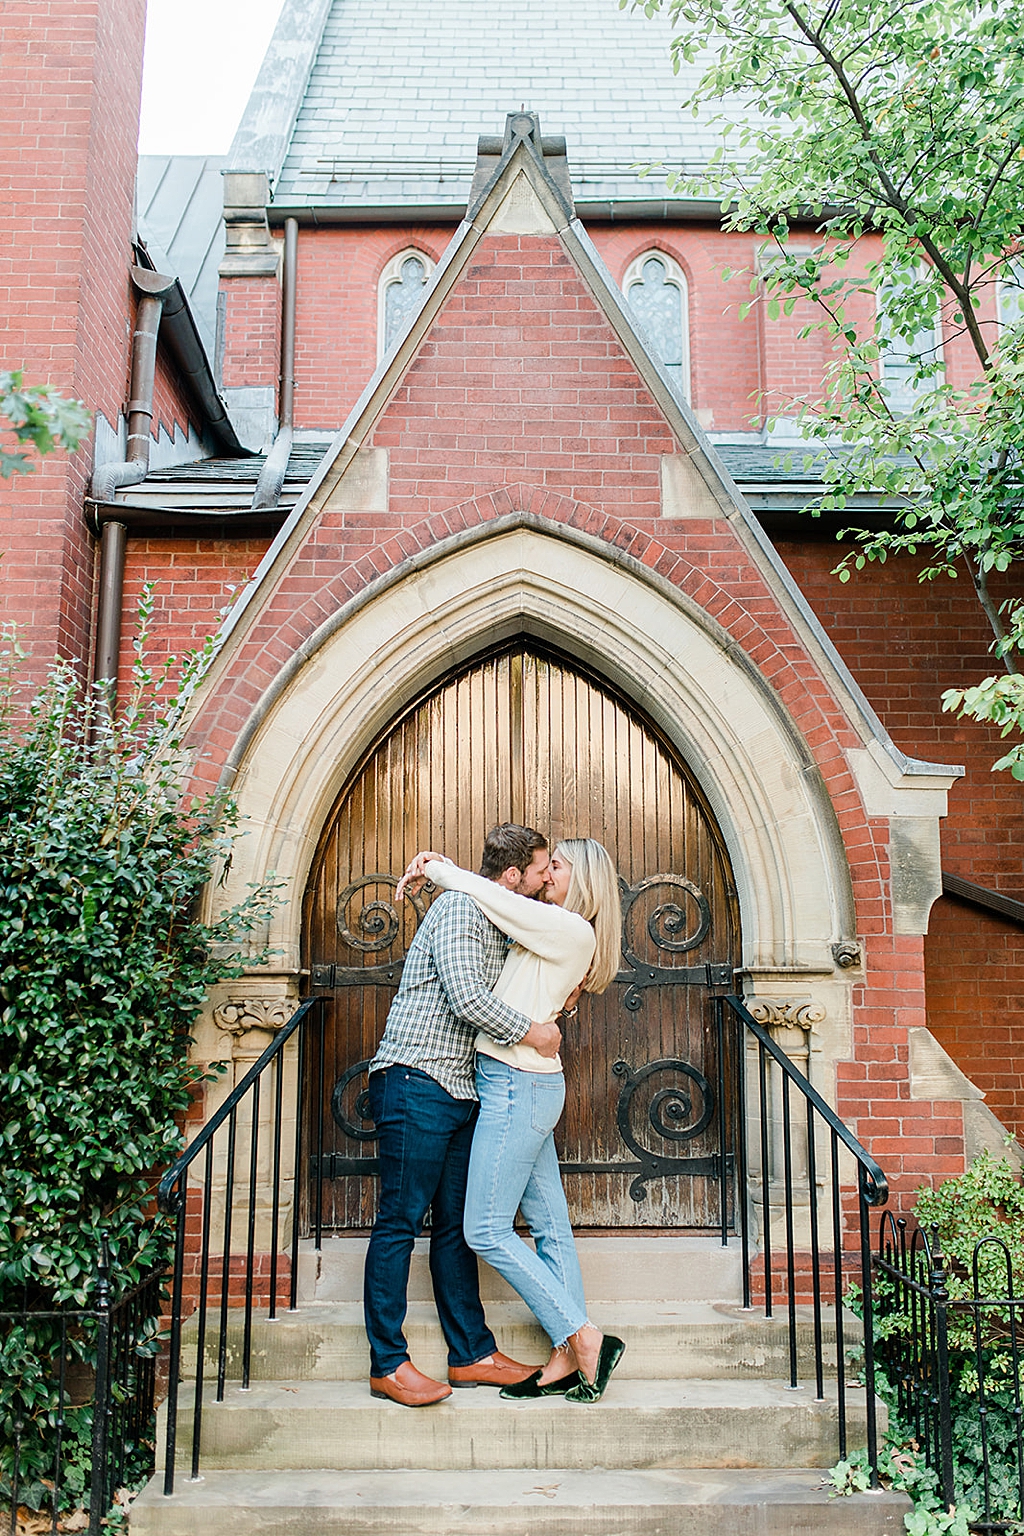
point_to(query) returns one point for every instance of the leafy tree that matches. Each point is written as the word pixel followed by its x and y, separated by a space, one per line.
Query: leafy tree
pixel 38 415
pixel 903 119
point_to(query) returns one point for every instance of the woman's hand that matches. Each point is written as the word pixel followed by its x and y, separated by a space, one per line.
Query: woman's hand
pixel 414 878
pixel 569 1006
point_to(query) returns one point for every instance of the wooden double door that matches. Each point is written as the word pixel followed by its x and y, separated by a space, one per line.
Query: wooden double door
pixel 526 734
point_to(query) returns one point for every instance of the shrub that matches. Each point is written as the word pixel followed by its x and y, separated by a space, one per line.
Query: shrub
pixel 104 964
pixel 959 1216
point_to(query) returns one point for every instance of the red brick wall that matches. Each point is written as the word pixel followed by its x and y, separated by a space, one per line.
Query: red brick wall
pixel 502 385
pixel 195 580
pixel 733 361
pixel 521 382
pixel 905 643
pixel 336 311
pixel 70 75
pixel 252 331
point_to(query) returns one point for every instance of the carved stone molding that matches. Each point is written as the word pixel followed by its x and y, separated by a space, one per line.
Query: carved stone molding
pixel 239 1015
pixel 787 1012
pixel 846 954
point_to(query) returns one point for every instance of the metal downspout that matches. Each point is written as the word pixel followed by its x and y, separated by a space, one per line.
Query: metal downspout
pixel 108 478
pixel 267 494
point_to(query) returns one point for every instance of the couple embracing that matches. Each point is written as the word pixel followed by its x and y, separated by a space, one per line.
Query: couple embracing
pixel 466 1089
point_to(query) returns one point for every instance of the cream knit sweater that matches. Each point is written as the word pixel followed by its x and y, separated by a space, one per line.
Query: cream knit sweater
pixel 550 955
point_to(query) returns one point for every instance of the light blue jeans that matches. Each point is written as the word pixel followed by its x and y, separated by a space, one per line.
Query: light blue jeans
pixel 513 1166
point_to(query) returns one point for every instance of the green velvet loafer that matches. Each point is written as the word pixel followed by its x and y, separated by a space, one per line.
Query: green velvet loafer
pixel 531 1387
pixel 612 1351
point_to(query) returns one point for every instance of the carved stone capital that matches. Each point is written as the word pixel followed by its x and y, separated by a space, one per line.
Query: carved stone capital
pixel 238 1015
pixel 787 1012
pixel 846 954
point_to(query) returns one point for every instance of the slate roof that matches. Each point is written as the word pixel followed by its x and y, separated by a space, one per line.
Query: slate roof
pixel 398 95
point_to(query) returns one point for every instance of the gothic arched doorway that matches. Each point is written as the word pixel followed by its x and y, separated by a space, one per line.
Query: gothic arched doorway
pixel 526 734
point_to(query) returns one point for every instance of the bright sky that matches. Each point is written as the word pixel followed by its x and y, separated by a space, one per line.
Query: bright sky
pixel 202 57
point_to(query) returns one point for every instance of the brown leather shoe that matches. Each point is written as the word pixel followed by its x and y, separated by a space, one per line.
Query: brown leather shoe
pixel 409 1387
pixel 495 1370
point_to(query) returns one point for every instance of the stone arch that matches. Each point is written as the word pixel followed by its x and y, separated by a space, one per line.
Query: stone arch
pixel 655 644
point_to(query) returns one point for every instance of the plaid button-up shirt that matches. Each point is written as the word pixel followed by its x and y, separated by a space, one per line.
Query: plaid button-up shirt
pixel 445 997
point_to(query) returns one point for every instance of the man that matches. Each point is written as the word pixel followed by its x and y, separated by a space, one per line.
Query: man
pixel 423 1099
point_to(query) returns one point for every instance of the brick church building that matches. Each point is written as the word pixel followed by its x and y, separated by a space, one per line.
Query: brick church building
pixel 460 416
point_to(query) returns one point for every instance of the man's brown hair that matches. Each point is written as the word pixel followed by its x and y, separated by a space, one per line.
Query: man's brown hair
pixel 509 846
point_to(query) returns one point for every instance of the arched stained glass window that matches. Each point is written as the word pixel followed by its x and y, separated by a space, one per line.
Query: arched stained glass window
pixel 401 289
pixel 655 290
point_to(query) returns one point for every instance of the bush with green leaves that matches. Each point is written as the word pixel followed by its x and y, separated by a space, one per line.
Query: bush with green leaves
pixel 104 966
pixel 960 1216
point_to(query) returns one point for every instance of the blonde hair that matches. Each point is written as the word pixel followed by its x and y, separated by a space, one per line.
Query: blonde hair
pixel 594 893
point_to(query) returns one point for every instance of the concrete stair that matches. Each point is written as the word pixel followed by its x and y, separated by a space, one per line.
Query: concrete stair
pixel 678 1340
pixel 698 1431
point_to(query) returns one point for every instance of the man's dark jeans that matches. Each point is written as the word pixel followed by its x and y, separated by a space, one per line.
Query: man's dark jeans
pixel 425 1137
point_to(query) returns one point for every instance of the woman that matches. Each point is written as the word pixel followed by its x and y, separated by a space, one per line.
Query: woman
pixel 570 940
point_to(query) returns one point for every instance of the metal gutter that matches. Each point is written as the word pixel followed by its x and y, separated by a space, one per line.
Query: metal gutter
pixel 102 515
pixel 186 348
pixel 981 896
pixel 152 289
pixel 601 211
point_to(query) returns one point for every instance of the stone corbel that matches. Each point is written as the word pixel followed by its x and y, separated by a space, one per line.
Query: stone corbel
pixel 787 1012
pixel 792 1021
pixel 238 1016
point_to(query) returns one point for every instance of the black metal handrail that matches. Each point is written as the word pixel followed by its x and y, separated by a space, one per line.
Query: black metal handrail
pixel 114 1339
pixel 173 1199
pixel 819 1121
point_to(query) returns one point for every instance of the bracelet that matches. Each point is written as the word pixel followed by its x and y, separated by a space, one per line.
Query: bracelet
pixel 570 1013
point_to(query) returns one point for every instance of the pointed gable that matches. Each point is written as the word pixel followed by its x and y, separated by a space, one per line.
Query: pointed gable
pixel 521 387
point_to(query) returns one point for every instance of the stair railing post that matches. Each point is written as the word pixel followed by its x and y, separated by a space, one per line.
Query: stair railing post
pixel 867 1292
pixel 101 1396
pixel 939 1296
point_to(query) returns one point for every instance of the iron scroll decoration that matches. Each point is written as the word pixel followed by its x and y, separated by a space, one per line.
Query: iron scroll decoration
pixel 361 1106
pixel 378 922
pixel 676 1113
pixel 676 926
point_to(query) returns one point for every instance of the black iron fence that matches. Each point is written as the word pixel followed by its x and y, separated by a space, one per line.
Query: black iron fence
pixel 236 1195
pixel 78 1401
pixel 949 1341
pixel 805 1189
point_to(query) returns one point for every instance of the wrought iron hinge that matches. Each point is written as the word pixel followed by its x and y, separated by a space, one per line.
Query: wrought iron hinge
pixel 356 975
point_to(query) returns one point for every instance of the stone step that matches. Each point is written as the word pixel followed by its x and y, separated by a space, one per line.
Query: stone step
pixel 337 1425
pixel 681 1340
pixel 556 1502
pixel 628 1268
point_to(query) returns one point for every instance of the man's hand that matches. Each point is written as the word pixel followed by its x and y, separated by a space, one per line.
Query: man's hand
pixel 545 1038
pixel 414 878
pixel 573 998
